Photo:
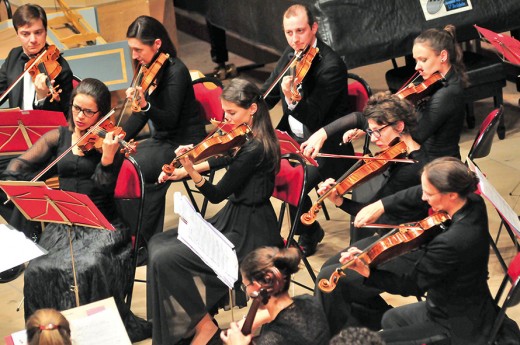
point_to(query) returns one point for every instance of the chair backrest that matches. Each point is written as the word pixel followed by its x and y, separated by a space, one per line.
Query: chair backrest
pixel 289 181
pixel 130 188
pixel 75 81
pixel 482 143
pixel 290 187
pixel 512 299
pixel 130 181
pixel 207 92
pixel 359 90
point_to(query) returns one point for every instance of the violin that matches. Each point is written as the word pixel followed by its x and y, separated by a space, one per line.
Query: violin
pixel 94 141
pixel 81 140
pixel 274 282
pixel 304 68
pixel 46 62
pixel 48 65
pixel 214 145
pixel 358 174
pixel 402 239
pixel 299 71
pixel 146 77
pixel 415 93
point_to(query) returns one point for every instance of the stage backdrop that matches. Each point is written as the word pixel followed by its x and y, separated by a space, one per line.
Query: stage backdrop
pixel 361 31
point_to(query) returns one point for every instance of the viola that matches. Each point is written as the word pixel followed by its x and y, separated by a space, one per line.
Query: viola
pixel 146 77
pixel 214 145
pixel 80 140
pixel 47 63
pixel 94 141
pixel 290 65
pixel 274 282
pixel 414 93
pixel 299 71
pixel 402 239
pixel 359 173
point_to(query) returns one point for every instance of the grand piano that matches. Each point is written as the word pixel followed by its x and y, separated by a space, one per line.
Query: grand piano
pixel 363 32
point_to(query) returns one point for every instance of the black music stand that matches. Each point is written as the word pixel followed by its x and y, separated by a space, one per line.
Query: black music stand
pixel 38 202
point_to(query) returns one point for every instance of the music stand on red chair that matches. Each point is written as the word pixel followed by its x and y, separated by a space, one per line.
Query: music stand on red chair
pixel 37 202
pixel 290 189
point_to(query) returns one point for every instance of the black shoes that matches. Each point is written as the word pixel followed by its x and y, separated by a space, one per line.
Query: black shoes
pixel 309 240
pixel 11 274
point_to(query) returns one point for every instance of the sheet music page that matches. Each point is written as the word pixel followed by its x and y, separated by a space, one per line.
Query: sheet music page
pixel 15 248
pixel 490 193
pixel 206 241
pixel 97 323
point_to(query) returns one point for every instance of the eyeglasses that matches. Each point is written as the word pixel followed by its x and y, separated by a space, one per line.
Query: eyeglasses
pixel 244 287
pixel 87 112
pixel 377 132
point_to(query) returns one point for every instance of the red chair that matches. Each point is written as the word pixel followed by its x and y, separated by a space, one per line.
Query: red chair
pixel 290 188
pixel 130 188
pixel 482 144
pixel 359 91
pixel 513 297
pixel 207 92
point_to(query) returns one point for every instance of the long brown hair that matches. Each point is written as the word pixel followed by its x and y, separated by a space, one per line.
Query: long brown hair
pixel 244 93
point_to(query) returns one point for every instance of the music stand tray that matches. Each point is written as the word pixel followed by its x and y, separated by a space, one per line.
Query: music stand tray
pixel 37 202
pixel 20 129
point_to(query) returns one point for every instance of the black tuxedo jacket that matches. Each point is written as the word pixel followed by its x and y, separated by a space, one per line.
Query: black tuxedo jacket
pixel 13 67
pixel 324 94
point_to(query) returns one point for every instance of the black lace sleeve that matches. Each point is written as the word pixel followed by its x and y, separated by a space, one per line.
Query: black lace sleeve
pixel 344 123
pixel 32 161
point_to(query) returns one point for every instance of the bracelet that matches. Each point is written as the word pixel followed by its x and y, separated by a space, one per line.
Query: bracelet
pixel 148 105
pixel 200 181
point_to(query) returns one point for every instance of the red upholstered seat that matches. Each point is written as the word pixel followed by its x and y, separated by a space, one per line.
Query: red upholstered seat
pixel 289 183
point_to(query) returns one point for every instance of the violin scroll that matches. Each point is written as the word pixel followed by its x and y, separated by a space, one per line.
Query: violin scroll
pixel 310 217
pixel 328 285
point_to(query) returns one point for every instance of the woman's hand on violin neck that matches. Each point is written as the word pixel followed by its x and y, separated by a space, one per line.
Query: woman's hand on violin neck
pixel 183 149
pixel 353 134
pixel 350 254
pixel 313 145
pixel 369 214
pixel 136 94
pixel 333 196
pixel 110 148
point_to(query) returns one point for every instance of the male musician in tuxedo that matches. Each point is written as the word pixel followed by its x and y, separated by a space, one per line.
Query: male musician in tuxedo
pixel 30 23
pixel 324 99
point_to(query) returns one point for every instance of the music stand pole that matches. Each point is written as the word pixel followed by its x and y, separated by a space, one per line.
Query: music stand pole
pixel 37 202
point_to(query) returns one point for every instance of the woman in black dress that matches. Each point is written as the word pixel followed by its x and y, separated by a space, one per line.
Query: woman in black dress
pixel 182 289
pixel 169 103
pixel 285 320
pixel 101 257
pixel 389 118
pixel 441 116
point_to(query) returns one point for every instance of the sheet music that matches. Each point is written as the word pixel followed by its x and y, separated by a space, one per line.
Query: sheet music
pixel 490 193
pixel 15 248
pixel 96 323
pixel 206 241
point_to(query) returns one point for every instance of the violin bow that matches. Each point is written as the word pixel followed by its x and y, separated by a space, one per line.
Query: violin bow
pixel 90 130
pixel 36 61
pixel 296 57
pixel 396 160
